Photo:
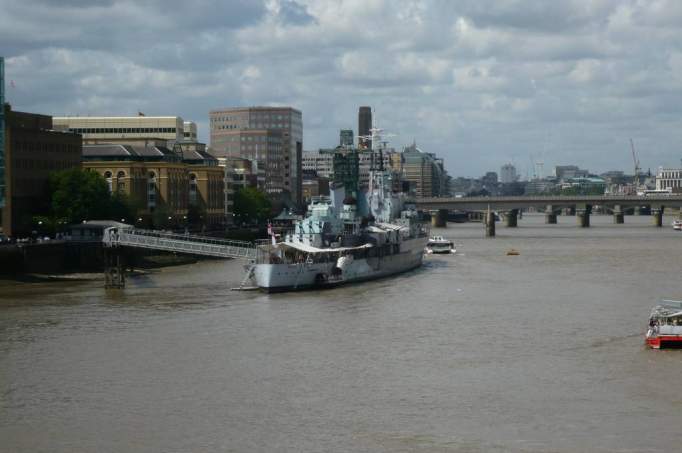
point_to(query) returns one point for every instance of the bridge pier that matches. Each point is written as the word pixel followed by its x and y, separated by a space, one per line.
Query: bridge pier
pixel 657 214
pixel 490 224
pixel 512 218
pixel 550 215
pixel 114 269
pixel 439 218
pixel 582 214
pixel 618 215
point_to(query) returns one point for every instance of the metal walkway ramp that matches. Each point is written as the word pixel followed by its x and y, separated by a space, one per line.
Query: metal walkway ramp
pixel 180 243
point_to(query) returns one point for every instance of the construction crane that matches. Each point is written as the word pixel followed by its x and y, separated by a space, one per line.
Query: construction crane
pixel 637 167
pixel 537 168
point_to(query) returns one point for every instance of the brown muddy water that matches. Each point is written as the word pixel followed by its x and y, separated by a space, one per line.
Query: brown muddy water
pixel 474 352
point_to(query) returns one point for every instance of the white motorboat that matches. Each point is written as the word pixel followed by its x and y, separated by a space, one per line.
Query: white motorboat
pixel 439 244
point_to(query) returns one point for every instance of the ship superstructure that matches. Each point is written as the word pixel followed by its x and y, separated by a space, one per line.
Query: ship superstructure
pixel 345 238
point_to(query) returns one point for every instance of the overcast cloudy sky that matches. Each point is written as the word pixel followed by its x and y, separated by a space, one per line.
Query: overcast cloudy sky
pixel 478 82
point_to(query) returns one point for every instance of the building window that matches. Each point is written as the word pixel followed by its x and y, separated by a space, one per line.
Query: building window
pixel 151 190
pixel 107 177
pixel 193 190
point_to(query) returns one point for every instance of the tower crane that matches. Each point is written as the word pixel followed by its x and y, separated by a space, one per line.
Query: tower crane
pixel 637 167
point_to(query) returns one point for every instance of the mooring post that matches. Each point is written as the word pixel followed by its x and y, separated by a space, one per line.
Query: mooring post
pixel 114 272
pixel 489 224
pixel 512 218
pixel 657 213
pixel 618 214
pixel 582 214
pixel 550 215
pixel 439 218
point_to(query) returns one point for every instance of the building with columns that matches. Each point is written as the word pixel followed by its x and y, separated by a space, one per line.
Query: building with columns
pixel 160 181
pixel 669 179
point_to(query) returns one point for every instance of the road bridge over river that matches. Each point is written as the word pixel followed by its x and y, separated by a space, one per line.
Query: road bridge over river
pixel 551 205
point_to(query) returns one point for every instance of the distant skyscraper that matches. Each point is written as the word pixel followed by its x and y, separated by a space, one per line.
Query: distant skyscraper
pixel 364 126
pixel 346 138
pixel 508 174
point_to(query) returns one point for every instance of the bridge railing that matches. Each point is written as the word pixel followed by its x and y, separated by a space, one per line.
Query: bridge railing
pixel 182 243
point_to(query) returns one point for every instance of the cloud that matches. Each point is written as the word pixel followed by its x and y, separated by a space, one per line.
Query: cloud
pixel 475 81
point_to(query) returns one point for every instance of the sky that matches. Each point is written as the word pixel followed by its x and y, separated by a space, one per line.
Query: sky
pixel 480 83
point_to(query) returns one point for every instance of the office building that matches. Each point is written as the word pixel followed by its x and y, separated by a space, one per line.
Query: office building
pixel 162 131
pixel 314 186
pixel 2 132
pixel 669 179
pixel 424 172
pixel 282 126
pixel 508 174
pixel 243 173
pixel 263 147
pixel 346 138
pixel 32 151
pixel 364 127
pixel 320 162
pixel 189 131
pixel 569 171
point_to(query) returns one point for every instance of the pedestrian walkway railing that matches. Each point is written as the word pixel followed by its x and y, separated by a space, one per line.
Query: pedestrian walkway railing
pixel 180 243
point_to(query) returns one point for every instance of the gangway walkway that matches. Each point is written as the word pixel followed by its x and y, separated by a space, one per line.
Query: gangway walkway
pixel 180 243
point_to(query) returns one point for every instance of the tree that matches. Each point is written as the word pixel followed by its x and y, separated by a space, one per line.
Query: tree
pixel 251 205
pixel 195 215
pixel 77 195
pixel 122 208
pixel 162 218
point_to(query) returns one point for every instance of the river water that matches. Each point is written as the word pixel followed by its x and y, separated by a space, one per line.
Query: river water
pixel 474 352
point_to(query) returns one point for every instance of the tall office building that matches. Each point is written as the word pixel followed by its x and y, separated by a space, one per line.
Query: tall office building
pixel 231 127
pixel 2 132
pixel 33 150
pixel 508 174
pixel 346 138
pixel 364 126
pixel 425 172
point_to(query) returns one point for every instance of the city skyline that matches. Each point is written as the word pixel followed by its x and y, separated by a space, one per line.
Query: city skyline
pixel 478 83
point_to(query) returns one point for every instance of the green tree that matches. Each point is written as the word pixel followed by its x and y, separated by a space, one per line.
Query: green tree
pixel 196 215
pixel 162 218
pixel 77 195
pixel 251 205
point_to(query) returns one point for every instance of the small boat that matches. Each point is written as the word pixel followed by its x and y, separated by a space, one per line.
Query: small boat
pixel 513 252
pixel 665 325
pixel 438 244
pixel 677 224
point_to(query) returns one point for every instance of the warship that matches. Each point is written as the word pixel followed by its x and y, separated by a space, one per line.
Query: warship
pixel 346 237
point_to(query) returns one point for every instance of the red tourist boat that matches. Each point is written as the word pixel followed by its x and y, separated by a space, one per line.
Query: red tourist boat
pixel 665 325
